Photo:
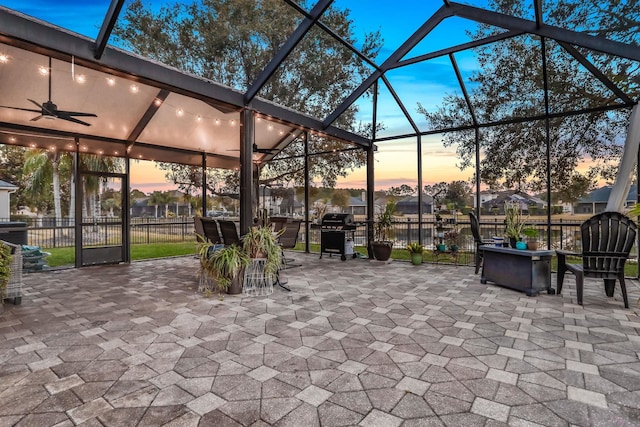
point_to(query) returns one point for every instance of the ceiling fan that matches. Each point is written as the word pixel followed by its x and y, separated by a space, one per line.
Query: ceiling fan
pixel 49 110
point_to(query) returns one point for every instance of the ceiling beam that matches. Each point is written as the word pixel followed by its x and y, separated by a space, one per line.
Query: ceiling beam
pixel 107 27
pixel 596 72
pixel 430 24
pixel 147 116
pixel 599 44
pixel 537 5
pixel 400 104
pixel 333 34
pixel 270 109
pixel 508 121
pixel 457 48
pixel 285 50
pixel 463 87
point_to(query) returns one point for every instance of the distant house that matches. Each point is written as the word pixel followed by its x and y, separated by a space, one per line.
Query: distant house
pixel 409 205
pixel 357 205
pixel 596 201
pixel 524 200
pixel 5 199
pixel 290 206
pixel 485 196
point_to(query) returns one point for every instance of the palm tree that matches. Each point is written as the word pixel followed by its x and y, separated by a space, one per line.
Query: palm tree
pixel 42 168
pixel 161 198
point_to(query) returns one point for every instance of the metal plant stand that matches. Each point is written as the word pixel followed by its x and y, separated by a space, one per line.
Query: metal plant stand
pixel 256 282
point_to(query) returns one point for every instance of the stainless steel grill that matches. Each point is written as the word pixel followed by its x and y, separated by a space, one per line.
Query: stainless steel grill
pixel 336 233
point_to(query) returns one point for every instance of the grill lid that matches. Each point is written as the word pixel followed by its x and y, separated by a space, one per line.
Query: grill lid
pixel 337 219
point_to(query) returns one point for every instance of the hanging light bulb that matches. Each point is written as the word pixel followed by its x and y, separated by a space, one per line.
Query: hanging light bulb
pixel 179 112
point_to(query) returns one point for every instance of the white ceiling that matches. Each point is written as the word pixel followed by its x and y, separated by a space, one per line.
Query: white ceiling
pixel 180 121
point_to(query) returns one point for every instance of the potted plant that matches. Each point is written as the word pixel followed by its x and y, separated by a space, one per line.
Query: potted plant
pixel 452 239
pixel 513 222
pixel 224 266
pixel 382 246
pixel 416 250
pixel 532 238
pixel 262 243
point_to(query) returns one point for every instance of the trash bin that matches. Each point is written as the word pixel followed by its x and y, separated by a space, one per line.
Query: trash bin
pixel 14 232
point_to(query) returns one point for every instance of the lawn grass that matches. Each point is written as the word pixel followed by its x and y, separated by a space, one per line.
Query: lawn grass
pixel 66 256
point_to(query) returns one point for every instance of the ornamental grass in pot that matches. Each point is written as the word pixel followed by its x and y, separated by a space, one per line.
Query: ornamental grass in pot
pixel 382 246
pixel 224 266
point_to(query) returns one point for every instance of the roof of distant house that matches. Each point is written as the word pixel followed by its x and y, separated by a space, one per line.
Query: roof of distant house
pixel 6 185
pixel 601 195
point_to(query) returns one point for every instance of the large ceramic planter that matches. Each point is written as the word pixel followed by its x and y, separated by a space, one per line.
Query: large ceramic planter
pixel 382 250
pixel 416 258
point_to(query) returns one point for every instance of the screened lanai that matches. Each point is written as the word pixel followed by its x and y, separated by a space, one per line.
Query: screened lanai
pixel 164 105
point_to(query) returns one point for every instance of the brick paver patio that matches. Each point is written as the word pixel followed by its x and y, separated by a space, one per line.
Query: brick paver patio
pixel 354 343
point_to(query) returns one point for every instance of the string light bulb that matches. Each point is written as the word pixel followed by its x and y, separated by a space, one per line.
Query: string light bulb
pixel 111 81
pixel 157 102
pixel 80 78
pixel 4 58
pixel 179 112
pixel 43 70
pixel 134 88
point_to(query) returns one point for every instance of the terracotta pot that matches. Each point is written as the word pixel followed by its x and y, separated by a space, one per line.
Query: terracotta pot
pixel 532 245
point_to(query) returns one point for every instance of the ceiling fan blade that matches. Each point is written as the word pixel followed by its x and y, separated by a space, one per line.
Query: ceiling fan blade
pixel 36 118
pixel 75 113
pixel 68 118
pixel 35 103
pixel 31 110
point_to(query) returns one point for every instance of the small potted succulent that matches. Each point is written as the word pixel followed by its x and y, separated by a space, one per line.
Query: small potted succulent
pixel 452 239
pixel 416 250
pixel 532 238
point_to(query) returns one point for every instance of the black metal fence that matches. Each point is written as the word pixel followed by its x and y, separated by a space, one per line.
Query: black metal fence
pixel 46 233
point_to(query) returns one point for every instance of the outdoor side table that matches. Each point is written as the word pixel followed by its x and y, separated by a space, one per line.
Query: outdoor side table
pixel 522 270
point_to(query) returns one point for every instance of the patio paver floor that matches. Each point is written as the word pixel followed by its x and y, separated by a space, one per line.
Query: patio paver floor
pixel 354 343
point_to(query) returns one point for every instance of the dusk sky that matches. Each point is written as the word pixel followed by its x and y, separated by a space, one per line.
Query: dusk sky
pixel 425 83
